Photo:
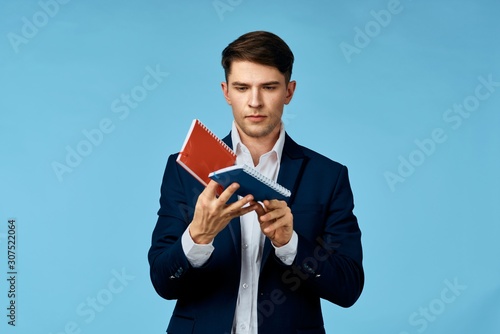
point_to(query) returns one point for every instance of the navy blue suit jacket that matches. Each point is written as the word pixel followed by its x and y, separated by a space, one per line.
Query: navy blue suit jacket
pixel 328 264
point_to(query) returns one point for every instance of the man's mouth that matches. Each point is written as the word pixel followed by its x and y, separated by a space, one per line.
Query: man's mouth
pixel 255 118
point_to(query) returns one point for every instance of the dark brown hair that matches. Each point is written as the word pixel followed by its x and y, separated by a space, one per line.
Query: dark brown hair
pixel 259 47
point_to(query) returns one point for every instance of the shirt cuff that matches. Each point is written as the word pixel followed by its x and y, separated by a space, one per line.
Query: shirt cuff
pixel 287 253
pixel 196 254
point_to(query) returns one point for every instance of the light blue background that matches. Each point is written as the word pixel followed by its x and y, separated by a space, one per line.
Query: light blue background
pixel 75 233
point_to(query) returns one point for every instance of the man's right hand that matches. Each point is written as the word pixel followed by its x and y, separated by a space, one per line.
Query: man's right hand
pixel 212 213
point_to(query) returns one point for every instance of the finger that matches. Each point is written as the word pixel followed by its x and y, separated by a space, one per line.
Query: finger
pixel 247 200
pixel 274 204
pixel 272 215
pixel 233 211
pixel 273 225
pixel 259 208
pixel 247 209
pixel 228 192
pixel 211 189
pixel 269 229
pixel 275 209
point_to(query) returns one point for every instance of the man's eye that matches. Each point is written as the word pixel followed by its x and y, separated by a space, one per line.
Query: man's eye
pixel 269 87
pixel 241 89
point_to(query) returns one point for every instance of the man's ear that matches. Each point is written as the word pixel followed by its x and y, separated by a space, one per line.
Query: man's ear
pixel 225 91
pixel 290 89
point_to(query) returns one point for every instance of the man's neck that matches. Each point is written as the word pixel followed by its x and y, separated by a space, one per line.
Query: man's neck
pixel 259 146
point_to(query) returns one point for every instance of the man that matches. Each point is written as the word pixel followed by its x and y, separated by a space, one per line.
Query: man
pixel 238 266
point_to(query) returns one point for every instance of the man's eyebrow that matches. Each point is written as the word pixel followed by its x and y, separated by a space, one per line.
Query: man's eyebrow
pixel 269 83
pixel 237 83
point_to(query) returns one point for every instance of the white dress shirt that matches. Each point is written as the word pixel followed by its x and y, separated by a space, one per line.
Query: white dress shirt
pixel 252 240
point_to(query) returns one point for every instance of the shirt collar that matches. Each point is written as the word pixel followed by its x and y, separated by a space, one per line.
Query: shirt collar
pixel 238 146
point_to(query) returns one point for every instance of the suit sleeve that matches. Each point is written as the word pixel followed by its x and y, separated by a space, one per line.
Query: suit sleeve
pixel 169 267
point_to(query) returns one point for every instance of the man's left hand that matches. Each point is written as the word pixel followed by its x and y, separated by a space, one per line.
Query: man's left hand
pixel 276 221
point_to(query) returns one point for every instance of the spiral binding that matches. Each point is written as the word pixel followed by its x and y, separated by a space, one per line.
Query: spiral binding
pixel 267 181
pixel 214 136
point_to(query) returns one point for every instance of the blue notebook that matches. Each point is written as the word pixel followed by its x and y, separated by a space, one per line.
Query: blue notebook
pixel 251 182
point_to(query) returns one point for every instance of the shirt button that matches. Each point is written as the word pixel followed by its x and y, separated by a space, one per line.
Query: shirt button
pixel 243 326
pixel 245 246
pixel 245 285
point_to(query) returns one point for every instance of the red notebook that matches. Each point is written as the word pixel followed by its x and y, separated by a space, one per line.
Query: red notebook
pixel 203 152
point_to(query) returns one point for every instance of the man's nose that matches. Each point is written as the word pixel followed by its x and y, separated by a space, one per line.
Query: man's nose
pixel 255 99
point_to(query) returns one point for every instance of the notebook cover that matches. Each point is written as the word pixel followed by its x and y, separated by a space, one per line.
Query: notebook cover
pixel 251 182
pixel 202 152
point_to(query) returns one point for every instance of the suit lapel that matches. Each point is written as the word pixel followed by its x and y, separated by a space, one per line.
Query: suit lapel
pixel 234 225
pixel 292 163
pixel 291 166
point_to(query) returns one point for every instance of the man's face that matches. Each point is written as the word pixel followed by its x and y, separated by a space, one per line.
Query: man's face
pixel 257 95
